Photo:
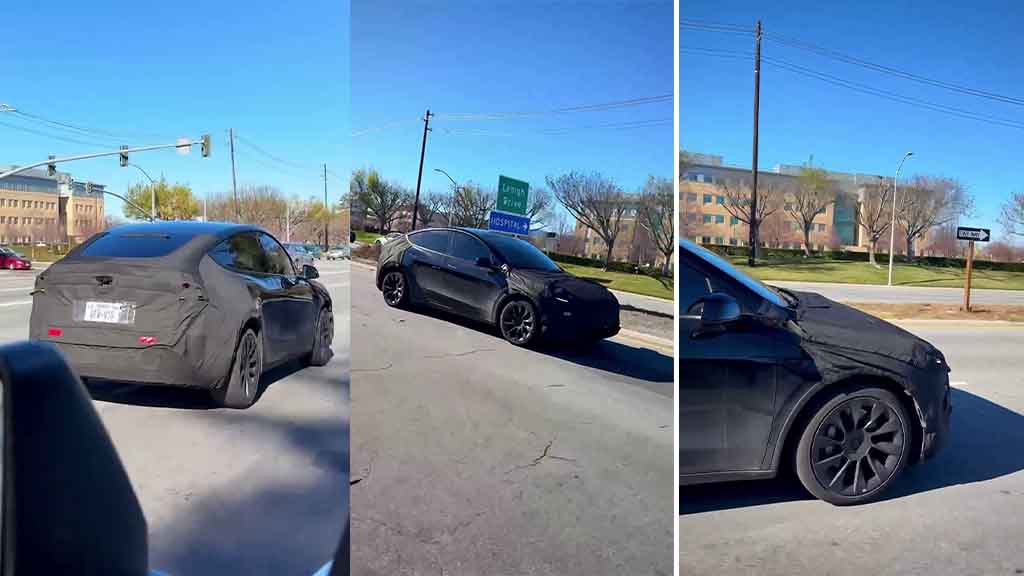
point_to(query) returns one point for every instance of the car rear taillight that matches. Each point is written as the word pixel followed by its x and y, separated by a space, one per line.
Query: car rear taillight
pixel 147 340
pixel 54 332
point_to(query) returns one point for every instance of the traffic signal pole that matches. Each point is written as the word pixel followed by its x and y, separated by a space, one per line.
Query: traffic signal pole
pixel 752 252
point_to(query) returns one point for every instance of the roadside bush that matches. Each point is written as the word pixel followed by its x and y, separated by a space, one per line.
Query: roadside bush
pixel 367 252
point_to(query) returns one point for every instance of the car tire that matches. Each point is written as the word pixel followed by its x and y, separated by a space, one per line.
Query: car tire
pixel 395 288
pixel 322 338
pixel 243 383
pixel 519 322
pixel 856 444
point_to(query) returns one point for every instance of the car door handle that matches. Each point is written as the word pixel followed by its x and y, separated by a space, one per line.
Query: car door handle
pixel 435 267
pixel 453 266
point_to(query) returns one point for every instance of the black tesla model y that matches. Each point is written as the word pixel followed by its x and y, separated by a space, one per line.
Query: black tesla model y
pixel 498 279
pixel 192 304
pixel 772 380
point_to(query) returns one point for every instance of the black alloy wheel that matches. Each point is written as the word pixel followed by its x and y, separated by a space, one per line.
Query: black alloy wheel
pixel 243 384
pixel 854 447
pixel 323 338
pixel 394 288
pixel 518 322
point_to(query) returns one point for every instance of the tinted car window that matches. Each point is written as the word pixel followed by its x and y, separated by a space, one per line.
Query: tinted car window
pixel 278 261
pixel 692 287
pixel 241 252
pixel 436 240
pixel 137 245
pixel 468 248
pixel 755 286
pixel 520 254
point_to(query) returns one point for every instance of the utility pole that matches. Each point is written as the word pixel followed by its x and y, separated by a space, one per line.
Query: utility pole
pixel 752 253
pixel 327 212
pixel 234 184
pixel 423 151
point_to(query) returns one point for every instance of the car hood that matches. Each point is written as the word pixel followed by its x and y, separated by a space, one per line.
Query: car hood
pixel 829 324
pixel 537 282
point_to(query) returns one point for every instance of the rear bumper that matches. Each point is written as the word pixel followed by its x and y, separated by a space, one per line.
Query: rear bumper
pixel 153 365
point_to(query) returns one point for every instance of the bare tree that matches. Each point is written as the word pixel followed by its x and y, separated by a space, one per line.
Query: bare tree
pixel 471 206
pixel 433 205
pixel 539 210
pixel 737 202
pixel 929 202
pixel 875 214
pixel 595 201
pixel 1012 216
pixel 384 201
pixel 657 207
pixel 811 198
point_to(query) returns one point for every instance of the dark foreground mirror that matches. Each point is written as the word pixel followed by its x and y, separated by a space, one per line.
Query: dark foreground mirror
pixel 68 506
pixel 310 272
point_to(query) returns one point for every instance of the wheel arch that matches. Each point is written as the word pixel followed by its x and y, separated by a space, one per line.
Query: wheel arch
pixel 786 442
pixel 509 296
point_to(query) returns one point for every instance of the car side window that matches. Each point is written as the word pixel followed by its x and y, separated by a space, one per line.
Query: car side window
pixel 278 261
pixel 692 287
pixel 436 240
pixel 468 248
pixel 241 252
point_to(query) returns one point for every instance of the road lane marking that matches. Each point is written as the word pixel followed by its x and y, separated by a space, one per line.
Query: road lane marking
pixel 18 303
pixel 958 384
pixel 27 289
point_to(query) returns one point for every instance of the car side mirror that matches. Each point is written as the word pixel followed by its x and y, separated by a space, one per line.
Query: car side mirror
pixel 717 311
pixel 68 506
pixel 310 272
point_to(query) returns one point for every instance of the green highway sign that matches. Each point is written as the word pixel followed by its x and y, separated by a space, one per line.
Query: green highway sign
pixel 512 195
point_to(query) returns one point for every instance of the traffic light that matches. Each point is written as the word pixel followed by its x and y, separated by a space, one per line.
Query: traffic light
pixel 51 169
pixel 206 146
pixel 124 156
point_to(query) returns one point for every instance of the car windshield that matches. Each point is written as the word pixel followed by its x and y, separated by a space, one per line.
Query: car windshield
pixel 773 295
pixel 520 254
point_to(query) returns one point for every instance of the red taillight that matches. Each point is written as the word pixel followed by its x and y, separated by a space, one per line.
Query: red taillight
pixel 147 340
pixel 54 332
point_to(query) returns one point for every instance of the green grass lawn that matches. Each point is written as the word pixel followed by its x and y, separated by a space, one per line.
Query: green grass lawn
pixel 366 237
pixel 846 272
pixel 636 283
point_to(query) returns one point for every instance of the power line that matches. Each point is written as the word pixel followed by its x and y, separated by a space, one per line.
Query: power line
pixel 558 131
pixel 385 126
pixel 600 107
pixel 87 131
pixel 710 24
pixel 700 28
pixel 54 136
pixel 836 55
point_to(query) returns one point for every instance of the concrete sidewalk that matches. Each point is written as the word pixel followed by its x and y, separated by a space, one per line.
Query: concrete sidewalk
pixel 902 294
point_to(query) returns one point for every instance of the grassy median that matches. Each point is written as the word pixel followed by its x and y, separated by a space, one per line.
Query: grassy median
pixel 626 282
pixel 847 272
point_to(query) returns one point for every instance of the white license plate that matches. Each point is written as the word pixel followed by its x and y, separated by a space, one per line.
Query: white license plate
pixel 110 312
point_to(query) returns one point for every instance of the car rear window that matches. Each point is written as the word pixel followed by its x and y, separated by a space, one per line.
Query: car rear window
pixel 137 245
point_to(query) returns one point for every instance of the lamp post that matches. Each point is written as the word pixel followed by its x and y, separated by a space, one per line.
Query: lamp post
pixel 152 191
pixel 455 191
pixel 892 224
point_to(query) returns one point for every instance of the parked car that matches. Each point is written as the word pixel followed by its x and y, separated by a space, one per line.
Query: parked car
pixel 299 254
pixel 338 253
pixel 387 237
pixel 11 260
pixel 497 279
pixel 191 304
pixel 314 251
pixel 771 380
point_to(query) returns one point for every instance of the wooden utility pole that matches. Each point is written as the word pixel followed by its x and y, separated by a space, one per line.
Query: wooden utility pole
pixel 423 152
pixel 752 252
pixel 234 183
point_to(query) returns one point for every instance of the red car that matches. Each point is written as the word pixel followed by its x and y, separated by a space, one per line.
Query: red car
pixel 11 260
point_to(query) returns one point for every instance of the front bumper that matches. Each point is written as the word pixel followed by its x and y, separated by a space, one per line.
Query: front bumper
pixel 580 321
pixel 935 407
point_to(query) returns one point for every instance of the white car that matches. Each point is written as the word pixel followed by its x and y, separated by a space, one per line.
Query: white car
pixel 300 256
pixel 338 253
pixel 388 238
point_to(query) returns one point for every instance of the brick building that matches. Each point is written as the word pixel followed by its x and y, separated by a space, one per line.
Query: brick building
pixel 36 207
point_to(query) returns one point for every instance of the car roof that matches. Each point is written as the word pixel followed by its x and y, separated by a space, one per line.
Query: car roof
pixel 187 228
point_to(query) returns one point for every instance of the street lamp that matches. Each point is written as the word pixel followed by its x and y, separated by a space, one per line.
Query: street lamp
pixel 152 191
pixel 892 224
pixel 455 190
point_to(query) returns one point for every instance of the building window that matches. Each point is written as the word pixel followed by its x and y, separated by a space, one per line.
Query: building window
pixel 719 219
pixel 705 239
pixel 733 220
pixel 821 227
pixel 3 219
pixel 2 202
pixel 707 198
pixel 720 200
pixel 691 197
pixel 732 241
pixel 14 219
pixel 707 218
pixel 719 240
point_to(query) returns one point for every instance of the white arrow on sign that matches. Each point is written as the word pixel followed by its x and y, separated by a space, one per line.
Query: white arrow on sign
pixel 973 235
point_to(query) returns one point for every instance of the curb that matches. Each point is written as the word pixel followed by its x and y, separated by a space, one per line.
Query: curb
pixel 942 322
pixel 649 340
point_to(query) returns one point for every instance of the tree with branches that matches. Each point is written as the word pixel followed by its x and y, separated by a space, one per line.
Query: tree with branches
pixel 433 204
pixel 929 202
pixel 384 201
pixel 471 206
pixel 595 201
pixel 738 199
pixel 875 214
pixel 656 210
pixel 811 197
pixel 1012 215
pixel 539 209
pixel 173 201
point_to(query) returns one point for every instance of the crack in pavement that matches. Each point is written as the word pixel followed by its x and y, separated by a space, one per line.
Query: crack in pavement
pixel 546 454
pixel 380 369
pixel 458 354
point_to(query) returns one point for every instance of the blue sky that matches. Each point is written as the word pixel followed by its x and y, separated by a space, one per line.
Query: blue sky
pixel 277 73
pixel 978 47
pixel 476 57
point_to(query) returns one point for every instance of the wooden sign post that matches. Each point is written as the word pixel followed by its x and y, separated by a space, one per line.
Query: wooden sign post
pixel 971 235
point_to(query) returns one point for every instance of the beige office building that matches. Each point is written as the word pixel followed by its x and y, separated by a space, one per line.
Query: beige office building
pixel 35 207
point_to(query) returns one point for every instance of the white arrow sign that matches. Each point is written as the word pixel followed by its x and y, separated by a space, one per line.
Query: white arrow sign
pixel 978 234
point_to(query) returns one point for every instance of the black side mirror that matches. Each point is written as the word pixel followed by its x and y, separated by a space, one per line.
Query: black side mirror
pixel 717 311
pixel 68 506
pixel 484 262
pixel 310 272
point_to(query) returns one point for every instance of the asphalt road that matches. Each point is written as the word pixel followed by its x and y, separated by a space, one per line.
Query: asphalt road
pixel 256 491
pixel 472 456
pixel 961 513
pixel 903 294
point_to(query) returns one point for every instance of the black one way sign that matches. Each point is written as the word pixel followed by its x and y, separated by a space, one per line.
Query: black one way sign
pixel 976 234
